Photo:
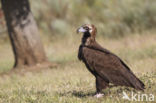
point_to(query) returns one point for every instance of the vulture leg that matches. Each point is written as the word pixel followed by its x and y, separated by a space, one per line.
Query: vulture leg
pixel 100 85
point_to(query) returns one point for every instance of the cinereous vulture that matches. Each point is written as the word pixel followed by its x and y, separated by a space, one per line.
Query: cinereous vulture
pixel 103 64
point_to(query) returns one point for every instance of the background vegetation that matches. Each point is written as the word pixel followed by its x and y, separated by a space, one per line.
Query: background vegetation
pixel 113 18
pixel 126 27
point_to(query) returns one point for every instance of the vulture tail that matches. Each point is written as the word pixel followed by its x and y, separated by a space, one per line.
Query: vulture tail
pixel 136 83
pixel 139 85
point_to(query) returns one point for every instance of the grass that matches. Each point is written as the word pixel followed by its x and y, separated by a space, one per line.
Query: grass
pixel 71 82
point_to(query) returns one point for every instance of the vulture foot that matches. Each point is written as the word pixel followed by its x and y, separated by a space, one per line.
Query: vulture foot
pixel 99 95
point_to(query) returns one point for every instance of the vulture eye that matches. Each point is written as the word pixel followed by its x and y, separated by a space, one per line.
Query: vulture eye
pixel 86 28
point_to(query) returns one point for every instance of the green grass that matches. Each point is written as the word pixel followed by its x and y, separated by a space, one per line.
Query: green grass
pixel 71 82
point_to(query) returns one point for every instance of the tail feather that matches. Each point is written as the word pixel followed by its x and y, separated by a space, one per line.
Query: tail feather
pixel 139 85
pixel 136 83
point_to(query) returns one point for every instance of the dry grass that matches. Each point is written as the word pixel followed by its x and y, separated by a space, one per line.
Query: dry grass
pixel 71 82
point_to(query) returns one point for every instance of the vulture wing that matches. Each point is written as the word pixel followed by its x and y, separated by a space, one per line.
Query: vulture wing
pixel 108 66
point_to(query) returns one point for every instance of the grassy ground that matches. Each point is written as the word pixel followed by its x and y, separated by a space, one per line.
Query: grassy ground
pixel 71 82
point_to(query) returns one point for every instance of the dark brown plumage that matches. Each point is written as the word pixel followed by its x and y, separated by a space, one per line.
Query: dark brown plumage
pixel 104 65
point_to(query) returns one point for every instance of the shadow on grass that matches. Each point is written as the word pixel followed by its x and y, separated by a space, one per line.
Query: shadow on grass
pixel 79 94
pixel 84 94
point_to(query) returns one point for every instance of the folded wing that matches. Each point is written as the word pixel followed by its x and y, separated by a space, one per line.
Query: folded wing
pixel 110 67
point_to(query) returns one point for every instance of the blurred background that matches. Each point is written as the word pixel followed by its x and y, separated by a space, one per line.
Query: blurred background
pixel 125 27
pixel 115 18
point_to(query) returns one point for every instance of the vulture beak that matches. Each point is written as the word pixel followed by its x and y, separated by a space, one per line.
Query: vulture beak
pixel 81 30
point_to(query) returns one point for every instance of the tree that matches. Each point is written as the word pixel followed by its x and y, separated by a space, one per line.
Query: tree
pixel 23 33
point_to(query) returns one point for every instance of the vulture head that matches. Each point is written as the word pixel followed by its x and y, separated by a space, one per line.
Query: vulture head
pixel 89 33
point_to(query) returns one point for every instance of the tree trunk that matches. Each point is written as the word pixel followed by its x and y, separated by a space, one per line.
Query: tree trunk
pixel 23 32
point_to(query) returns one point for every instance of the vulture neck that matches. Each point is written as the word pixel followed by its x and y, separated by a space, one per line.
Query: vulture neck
pixel 87 39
